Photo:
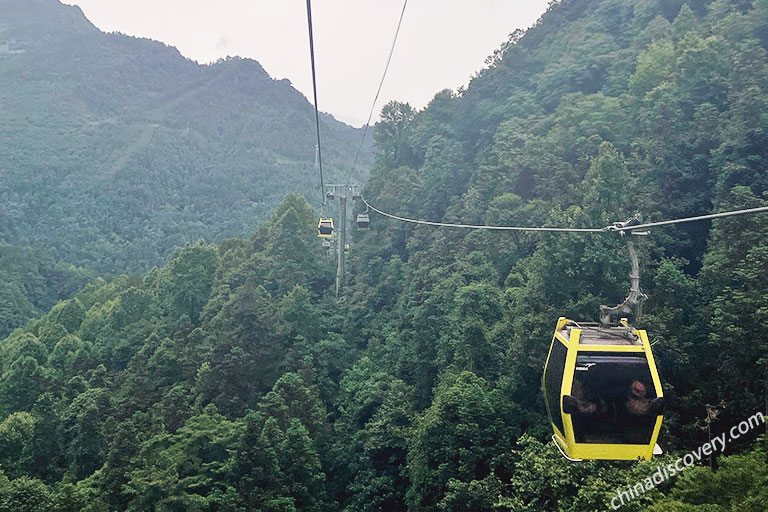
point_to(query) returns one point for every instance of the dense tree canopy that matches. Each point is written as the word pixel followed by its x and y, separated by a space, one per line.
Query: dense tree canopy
pixel 231 379
pixel 117 150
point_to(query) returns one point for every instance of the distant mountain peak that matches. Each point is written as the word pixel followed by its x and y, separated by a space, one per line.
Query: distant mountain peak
pixel 145 138
pixel 43 15
pixel 242 65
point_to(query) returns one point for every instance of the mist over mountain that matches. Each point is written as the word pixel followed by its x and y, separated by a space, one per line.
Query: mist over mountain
pixel 114 149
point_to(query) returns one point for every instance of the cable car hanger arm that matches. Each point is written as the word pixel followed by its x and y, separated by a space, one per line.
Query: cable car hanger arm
pixel 632 303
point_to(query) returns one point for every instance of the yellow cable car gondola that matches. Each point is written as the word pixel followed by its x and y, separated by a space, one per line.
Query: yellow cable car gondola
pixel 601 387
pixel 603 392
pixel 325 227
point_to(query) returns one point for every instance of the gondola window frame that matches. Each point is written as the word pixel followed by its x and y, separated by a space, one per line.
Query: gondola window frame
pixel 553 382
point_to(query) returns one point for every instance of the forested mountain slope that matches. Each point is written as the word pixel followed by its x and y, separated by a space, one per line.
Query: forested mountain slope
pixel 231 380
pixel 31 282
pixel 601 111
pixel 671 121
pixel 115 149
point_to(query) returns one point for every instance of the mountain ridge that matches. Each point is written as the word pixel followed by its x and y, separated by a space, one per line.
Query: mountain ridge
pixel 109 122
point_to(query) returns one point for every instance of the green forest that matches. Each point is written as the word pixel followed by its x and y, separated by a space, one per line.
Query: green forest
pixel 116 150
pixel 231 379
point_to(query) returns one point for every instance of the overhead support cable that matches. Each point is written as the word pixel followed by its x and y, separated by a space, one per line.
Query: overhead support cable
pixel 472 226
pixel 378 91
pixel 314 90
pixel 700 217
pixel 619 227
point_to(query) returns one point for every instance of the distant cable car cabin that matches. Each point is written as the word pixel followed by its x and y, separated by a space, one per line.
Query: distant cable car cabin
pixel 363 222
pixel 325 227
pixel 602 391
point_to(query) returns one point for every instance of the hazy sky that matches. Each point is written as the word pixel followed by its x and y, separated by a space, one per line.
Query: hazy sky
pixel 441 44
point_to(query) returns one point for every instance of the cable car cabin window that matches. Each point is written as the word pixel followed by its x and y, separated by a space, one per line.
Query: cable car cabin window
pixel 615 395
pixel 553 381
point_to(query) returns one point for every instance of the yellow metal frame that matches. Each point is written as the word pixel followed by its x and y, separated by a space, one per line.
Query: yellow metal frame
pixel 325 219
pixel 566 440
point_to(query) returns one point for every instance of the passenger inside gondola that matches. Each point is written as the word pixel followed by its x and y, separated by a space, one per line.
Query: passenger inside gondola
pixel 612 400
pixel 638 403
pixel 579 402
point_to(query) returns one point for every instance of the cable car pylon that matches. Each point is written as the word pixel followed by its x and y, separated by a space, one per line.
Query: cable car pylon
pixel 342 193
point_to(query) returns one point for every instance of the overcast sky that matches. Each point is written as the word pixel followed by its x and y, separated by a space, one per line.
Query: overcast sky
pixel 441 44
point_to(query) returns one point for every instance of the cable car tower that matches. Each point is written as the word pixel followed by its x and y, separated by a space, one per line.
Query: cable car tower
pixel 342 193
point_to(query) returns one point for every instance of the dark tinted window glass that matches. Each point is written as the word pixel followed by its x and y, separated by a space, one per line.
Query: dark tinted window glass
pixel 615 394
pixel 553 380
